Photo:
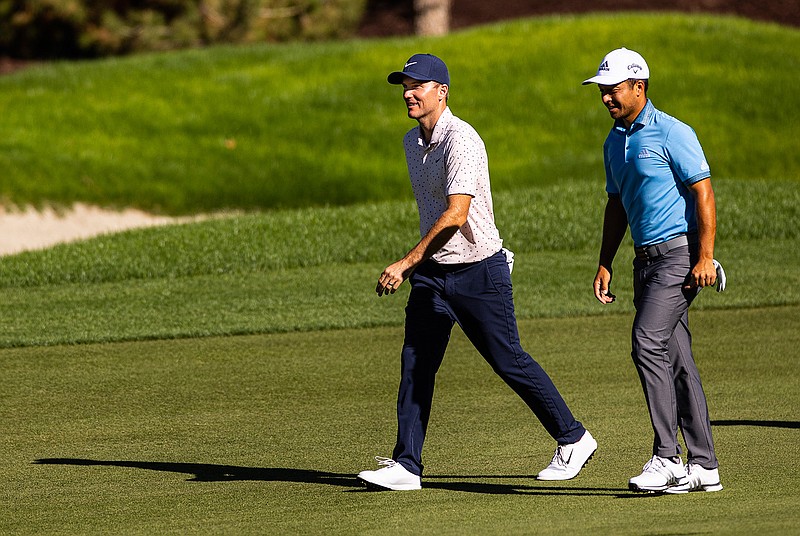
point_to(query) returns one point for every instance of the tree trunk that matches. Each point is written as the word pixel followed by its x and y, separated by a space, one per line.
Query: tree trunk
pixel 431 17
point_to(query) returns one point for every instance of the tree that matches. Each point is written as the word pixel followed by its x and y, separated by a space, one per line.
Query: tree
pixel 432 17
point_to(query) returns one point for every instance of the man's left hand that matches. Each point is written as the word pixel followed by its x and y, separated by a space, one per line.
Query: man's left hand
pixel 704 274
pixel 721 279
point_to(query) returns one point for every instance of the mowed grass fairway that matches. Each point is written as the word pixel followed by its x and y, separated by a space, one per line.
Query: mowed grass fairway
pixel 231 376
pixel 263 434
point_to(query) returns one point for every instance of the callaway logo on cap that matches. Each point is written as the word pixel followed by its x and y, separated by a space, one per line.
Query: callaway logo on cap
pixel 634 68
pixel 619 65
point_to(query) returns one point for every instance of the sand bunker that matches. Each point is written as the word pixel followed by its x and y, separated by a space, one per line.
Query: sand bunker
pixel 30 229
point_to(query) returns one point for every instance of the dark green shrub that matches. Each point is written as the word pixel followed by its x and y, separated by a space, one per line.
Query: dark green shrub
pixel 46 29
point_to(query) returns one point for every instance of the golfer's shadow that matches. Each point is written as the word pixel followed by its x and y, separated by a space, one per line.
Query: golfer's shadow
pixel 204 472
pixel 756 422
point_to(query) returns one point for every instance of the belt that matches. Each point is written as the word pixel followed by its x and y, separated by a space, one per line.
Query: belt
pixel 448 268
pixel 656 250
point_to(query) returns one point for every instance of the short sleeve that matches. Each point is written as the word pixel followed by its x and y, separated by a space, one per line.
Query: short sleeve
pixel 466 159
pixel 686 156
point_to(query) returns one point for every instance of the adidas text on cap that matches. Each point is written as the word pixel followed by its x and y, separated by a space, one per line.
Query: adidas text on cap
pixel 422 67
pixel 620 65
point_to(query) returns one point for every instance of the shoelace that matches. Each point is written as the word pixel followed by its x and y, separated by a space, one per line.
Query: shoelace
pixel 648 467
pixel 558 457
pixel 386 462
pixel 656 465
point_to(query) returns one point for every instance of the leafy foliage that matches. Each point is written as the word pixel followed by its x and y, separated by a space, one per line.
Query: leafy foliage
pixel 92 28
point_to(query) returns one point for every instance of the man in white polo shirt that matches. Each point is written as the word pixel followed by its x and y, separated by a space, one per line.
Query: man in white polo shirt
pixel 459 272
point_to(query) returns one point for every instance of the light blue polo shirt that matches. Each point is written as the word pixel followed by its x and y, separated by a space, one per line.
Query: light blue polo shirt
pixel 649 166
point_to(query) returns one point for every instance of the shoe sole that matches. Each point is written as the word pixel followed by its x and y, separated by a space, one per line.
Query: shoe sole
pixel 371 486
pixel 573 476
pixel 634 487
pixel 707 488
pixel 656 489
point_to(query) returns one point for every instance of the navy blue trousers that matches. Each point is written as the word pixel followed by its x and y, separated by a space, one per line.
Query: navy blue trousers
pixel 479 298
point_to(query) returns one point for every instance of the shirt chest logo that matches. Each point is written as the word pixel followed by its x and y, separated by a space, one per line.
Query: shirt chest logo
pixel 644 153
pixel 430 153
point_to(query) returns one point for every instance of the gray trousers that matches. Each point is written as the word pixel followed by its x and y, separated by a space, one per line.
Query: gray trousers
pixel 662 353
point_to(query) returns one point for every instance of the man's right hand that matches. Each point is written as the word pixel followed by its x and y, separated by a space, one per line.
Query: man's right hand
pixel 392 277
pixel 602 284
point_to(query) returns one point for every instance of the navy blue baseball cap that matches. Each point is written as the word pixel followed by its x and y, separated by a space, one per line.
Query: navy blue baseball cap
pixel 422 67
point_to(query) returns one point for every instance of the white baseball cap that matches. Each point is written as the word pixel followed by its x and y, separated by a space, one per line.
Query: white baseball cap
pixel 620 65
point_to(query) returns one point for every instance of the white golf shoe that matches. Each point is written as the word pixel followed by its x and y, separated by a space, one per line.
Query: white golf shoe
pixel 568 460
pixel 659 474
pixel 698 479
pixel 392 476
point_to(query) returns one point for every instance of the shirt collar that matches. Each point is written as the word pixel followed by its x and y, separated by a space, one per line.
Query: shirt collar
pixel 644 118
pixel 438 130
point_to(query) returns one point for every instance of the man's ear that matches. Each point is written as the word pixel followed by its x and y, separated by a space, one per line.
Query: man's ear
pixel 443 90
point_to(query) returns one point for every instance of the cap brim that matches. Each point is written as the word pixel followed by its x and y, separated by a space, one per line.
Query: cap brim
pixel 603 80
pixel 397 77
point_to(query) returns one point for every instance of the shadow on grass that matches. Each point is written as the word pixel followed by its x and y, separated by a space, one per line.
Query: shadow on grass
pixel 767 424
pixel 203 472
pixel 489 488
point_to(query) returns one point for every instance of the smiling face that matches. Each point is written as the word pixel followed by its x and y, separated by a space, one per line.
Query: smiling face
pixel 625 100
pixel 424 100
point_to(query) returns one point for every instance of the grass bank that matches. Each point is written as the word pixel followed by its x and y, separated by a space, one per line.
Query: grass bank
pixel 315 268
pixel 297 125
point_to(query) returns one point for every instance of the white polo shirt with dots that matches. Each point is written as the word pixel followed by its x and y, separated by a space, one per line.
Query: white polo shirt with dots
pixel 454 162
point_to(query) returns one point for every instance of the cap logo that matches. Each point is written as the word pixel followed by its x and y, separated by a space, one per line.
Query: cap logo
pixel 409 64
pixel 604 66
pixel 634 67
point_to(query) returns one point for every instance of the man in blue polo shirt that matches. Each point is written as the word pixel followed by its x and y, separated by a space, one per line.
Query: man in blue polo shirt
pixel 659 185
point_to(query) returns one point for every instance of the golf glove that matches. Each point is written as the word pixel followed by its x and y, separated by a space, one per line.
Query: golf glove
pixel 509 259
pixel 720 275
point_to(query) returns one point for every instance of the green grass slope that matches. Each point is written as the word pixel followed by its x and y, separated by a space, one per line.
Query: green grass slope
pixel 295 125
pixel 315 268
